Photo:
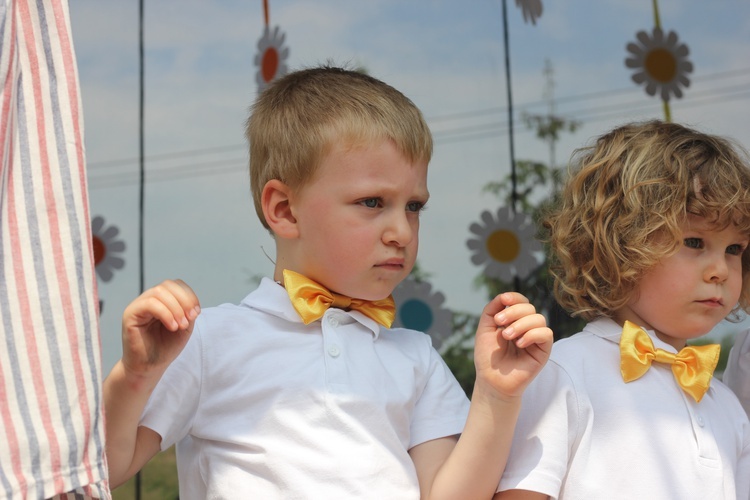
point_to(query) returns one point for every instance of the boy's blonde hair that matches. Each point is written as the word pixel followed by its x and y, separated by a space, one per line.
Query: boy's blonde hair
pixel 295 122
pixel 620 210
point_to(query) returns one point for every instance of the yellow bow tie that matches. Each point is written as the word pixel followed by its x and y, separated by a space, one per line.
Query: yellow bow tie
pixel 311 300
pixel 693 366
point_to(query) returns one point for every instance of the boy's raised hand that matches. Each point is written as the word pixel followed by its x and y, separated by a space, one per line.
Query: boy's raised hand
pixel 156 326
pixel 512 345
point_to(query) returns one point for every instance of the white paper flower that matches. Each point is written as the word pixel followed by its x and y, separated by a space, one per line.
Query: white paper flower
pixel 418 308
pixel 532 9
pixel 271 57
pixel 505 244
pixel 661 63
pixel 106 247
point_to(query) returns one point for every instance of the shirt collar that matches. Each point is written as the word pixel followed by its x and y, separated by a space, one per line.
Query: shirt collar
pixel 271 298
pixel 608 329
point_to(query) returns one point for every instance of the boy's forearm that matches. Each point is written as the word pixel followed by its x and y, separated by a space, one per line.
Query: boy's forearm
pixel 476 464
pixel 125 397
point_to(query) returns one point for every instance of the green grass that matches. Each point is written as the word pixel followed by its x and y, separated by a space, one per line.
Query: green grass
pixel 158 480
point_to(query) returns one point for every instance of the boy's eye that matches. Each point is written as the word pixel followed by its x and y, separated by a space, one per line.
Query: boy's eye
pixel 736 249
pixel 414 206
pixel 693 243
pixel 371 202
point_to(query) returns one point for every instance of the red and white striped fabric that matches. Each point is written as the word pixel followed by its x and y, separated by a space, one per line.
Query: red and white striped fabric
pixel 51 419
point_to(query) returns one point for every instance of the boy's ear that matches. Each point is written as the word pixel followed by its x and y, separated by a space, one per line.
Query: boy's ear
pixel 276 204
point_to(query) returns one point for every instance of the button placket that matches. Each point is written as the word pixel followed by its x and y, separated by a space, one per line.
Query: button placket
pixel 707 448
pixel 333 351
pixel 699 420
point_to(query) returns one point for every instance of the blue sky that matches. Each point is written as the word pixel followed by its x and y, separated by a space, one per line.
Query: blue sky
pixel 448 57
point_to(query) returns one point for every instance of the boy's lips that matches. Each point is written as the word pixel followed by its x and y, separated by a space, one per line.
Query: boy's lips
pixel 712 302
pixel 392 263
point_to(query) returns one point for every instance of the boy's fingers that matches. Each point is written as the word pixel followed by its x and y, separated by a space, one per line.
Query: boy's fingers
pixel 163 313
pixel 540 336
pixel 510 298
pixel 532 328
pixel 185 296
pixel 513 313
pixel 492 311
pixel 172 302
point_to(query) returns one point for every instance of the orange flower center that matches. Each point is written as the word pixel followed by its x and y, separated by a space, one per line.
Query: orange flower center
pixel 100 250
pixel 270 64
pixel 503 246
pixel 661 65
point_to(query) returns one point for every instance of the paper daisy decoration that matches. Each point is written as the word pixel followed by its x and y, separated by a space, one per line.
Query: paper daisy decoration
pixel 419 308
pixel 271 57
pixel 106 247
pixel 532 9
pixel 505 244
pixel 660 62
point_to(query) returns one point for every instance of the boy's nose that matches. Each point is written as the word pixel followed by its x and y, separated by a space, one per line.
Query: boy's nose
pixel 399 231
pixel 717 270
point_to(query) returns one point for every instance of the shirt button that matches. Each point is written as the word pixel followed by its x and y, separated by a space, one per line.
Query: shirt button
pixel 334 351
pixel 333 322
pixel 700 421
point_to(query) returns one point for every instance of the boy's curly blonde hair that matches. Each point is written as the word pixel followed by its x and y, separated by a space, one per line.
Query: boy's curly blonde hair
pixel 296 121
pixel 620 211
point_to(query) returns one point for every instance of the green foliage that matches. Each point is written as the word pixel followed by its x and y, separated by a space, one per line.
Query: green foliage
pixel 458 351
pixel 548 127
pixel 158 480
pixel 727 342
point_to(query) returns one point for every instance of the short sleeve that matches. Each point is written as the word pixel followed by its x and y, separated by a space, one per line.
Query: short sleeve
pixel 737 373
pixel 544 434
pixel 442 407
pixel 173 405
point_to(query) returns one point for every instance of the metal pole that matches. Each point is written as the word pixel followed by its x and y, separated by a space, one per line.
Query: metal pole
pixel 141 163
pixel 514 188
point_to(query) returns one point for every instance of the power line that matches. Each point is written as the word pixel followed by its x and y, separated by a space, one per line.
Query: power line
pixel 179 172
pixel 492 130
pixel 105 178
pixel 104 164
pixel 165 156
pixel 695 98
pixel 576 98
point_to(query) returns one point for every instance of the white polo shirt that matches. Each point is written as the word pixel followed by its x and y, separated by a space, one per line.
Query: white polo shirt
pixel 261 404
pixel 584 433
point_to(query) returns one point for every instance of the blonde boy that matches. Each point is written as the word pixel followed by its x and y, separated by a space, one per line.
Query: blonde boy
pixel 270 400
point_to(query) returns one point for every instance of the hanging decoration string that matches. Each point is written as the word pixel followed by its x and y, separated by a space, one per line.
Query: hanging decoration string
pixel 514 188
pixel 657 24
pixel 141 149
